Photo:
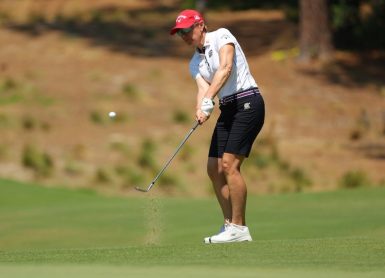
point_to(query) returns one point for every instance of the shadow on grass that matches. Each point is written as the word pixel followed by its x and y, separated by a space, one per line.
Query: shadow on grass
pixel 259 37
pixel 119 30
pixel 357 70
pixel 145 32
pixel 371 150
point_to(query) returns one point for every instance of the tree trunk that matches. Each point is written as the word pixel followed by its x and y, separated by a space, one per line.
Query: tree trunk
pixel 200 5
pixel 315 31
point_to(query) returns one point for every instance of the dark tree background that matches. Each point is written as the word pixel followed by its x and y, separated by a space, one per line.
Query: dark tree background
pixel 323 24
pixel 315 39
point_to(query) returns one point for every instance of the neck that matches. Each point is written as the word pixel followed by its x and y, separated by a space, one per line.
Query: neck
pixel 202 42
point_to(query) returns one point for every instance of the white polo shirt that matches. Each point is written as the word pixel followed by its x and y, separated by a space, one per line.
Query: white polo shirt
pixel 207 63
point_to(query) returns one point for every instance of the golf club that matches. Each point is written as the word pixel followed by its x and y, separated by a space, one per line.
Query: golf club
pixel 196 124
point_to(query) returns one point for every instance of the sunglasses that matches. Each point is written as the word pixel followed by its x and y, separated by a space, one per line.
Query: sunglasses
pixel 185 31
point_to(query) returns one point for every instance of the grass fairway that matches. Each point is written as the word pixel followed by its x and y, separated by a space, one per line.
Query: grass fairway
pixel 54 232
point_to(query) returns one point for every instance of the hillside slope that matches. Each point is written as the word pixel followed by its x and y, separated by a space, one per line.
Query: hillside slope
pixel 63 66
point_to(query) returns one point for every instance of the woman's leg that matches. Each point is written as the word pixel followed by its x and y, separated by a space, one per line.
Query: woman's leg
pixel 215 172
pixel 236 189
pixel 231 165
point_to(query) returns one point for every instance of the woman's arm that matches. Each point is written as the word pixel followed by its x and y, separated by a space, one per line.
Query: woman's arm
pixel 226 57
pixel 206 94
pixel 202 89
pixel 203 86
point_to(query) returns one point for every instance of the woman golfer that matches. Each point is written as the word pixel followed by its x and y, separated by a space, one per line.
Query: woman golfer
pixel 220 69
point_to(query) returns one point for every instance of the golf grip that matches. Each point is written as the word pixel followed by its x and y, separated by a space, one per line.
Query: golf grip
pixel 196 124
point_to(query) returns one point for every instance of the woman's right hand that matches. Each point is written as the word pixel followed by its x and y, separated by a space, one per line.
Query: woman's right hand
pixel 201 117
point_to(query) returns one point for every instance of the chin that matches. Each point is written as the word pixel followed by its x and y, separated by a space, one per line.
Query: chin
pixel 188 42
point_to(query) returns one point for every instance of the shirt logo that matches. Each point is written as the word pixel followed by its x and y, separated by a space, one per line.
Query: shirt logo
pixel 225 37
pixel 246 106
pixel 210 53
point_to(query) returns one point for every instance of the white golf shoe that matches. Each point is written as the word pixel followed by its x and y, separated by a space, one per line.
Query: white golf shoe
pixel 221 230
pixel 232 233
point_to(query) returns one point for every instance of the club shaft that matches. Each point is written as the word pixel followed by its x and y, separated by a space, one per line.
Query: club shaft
pixel 175 153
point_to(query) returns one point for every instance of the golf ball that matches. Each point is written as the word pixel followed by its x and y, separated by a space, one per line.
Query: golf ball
pixel 112 114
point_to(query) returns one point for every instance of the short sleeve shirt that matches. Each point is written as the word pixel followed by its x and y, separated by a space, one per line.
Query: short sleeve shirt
pixel 207 63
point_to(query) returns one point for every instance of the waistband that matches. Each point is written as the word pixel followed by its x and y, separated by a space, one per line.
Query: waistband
pixel 242 94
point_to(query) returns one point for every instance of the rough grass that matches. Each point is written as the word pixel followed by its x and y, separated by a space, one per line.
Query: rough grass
pixel 55 232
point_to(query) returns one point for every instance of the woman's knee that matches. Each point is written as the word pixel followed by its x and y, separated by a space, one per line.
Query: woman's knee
pixel 230 165
pixel 226 166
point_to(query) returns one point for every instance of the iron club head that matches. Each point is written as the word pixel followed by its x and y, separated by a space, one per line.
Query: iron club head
pixel 141 189
pixel 145 190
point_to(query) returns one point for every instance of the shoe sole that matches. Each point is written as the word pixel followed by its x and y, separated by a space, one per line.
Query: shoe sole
pixel 208 240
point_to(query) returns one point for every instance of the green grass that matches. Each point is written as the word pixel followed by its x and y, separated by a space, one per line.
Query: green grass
pixel 56 232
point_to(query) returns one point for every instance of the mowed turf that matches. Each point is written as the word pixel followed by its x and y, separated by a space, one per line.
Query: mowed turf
pixel 56 232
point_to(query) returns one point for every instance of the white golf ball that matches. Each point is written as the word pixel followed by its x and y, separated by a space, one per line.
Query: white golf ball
pixel 112 114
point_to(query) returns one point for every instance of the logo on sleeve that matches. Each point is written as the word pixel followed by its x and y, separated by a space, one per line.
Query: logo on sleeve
pixel 225 37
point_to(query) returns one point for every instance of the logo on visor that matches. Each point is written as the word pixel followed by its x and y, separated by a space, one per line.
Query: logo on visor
pixel 180 18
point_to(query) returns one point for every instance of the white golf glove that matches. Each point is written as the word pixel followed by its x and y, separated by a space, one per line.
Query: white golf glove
pixel 207 106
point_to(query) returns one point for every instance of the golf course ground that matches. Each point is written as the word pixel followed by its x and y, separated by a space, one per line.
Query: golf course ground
pixel 59 232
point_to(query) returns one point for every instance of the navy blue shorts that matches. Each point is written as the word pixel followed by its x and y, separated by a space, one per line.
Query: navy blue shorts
pixel 238 125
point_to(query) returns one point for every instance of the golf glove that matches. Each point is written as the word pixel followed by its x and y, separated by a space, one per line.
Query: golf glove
pixel 207 106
